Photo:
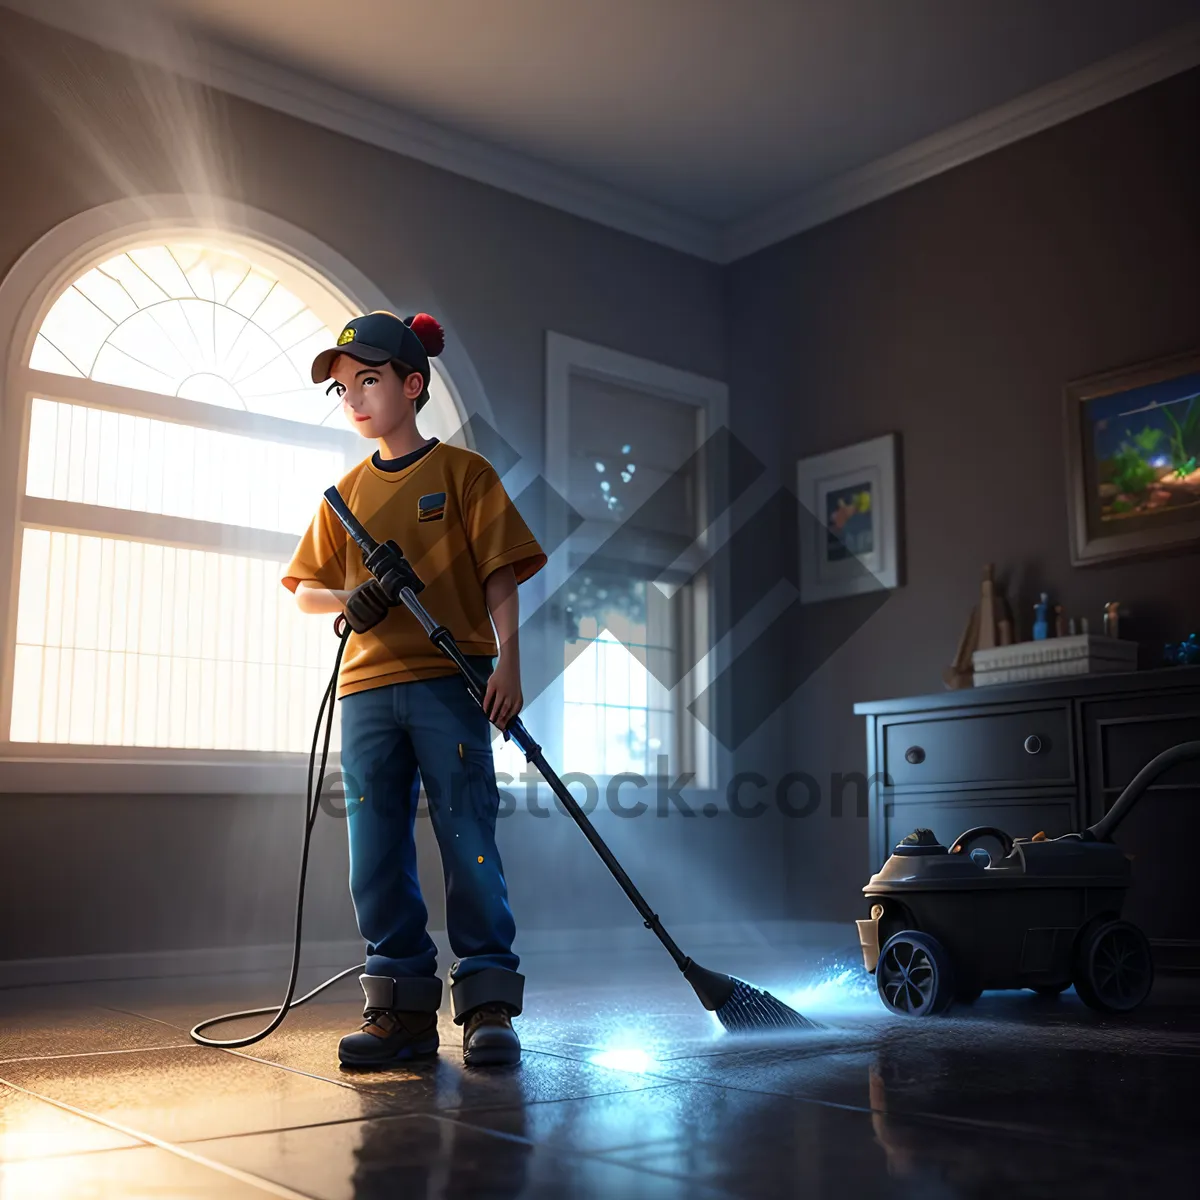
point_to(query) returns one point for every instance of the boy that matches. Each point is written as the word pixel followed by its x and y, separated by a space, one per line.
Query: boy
pixel 405 709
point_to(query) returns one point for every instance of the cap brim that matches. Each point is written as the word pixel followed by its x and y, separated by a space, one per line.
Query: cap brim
pixel 371 355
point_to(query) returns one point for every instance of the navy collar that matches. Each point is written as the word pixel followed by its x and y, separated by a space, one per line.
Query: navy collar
pixel 405 460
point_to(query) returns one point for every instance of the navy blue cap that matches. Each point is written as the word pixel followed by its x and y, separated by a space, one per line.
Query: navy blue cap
pixel 379 337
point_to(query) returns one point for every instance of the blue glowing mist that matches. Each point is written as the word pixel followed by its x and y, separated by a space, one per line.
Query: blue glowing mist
pixel 839 987
pixel 624 1058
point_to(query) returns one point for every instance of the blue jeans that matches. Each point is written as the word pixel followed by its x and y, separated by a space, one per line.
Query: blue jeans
pixel 429 728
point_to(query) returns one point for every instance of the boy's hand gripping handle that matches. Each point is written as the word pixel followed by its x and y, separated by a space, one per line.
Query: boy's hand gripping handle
pixel 387 563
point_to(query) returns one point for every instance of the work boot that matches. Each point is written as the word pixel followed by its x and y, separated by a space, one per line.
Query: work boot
pixel 489 1039
pixel 391 1034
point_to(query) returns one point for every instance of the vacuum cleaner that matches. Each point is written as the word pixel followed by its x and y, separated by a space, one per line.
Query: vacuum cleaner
pixel 949 922
pixel 737 1005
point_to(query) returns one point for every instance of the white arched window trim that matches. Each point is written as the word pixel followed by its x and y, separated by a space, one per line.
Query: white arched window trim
pixel 309 268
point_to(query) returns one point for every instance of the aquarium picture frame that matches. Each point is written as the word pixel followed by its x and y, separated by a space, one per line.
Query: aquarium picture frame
pixel 836 564
pixel 1156 531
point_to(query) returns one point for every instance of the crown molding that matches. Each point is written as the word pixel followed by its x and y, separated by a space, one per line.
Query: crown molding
pixel 310 99
pixel 319 103
pixel 382 125
pixel 1099 84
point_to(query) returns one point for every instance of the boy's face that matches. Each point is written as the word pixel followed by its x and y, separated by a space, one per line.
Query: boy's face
pixel 376 400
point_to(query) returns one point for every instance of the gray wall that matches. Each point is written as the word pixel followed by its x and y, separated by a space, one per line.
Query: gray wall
pixel 953 313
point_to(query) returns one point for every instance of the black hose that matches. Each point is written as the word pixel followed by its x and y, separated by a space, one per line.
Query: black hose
pixel 312 807
pixel 1103 829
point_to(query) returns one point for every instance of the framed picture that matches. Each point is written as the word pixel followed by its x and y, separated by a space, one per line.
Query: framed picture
pixel 849 520
pixel 1133 460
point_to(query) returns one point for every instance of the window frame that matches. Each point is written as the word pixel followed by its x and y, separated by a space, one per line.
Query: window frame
pixel 567 357
pixel 305 265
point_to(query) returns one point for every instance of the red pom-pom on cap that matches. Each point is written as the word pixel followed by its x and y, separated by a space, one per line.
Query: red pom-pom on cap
pixel 431 333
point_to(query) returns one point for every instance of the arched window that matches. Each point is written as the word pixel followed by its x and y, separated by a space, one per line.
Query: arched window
pixel 174 451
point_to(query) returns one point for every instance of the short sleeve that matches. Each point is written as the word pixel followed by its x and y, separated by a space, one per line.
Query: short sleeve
pixel 496 532
pixel 321 555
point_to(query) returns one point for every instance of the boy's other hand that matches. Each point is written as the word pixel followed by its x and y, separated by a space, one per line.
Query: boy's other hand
pixel 502 699
pixel 367 605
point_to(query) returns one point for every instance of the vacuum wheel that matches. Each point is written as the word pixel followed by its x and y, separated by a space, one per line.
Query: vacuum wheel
pixel 914 976
pixel 1114 970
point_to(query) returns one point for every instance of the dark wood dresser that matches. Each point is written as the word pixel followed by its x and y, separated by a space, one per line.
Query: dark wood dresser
pixel 1052 756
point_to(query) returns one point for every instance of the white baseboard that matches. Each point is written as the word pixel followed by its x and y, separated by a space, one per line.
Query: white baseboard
pixel 335 955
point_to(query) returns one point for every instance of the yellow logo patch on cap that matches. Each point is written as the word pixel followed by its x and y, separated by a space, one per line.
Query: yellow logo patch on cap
pixel 347 335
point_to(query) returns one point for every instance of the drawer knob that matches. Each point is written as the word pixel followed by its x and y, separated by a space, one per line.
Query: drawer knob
pixel 1033 744
pixel 914 755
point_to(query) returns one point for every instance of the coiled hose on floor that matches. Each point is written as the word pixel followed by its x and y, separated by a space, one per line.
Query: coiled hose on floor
pixel 312 807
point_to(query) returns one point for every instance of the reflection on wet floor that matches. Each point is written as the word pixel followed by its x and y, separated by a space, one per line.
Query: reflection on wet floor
pixel 627 1088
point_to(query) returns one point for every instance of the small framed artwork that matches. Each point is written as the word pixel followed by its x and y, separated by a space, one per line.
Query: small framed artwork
pixel 849 520
pixel 1133 460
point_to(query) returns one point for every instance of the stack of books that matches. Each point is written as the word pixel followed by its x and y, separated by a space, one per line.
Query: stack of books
pixel 1083 654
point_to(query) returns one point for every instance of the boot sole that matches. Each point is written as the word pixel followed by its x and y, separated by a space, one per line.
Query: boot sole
pixel 499 1057
pixel 405 1054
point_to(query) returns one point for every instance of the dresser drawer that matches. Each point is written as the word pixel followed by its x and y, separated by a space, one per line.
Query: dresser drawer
pixel 1030 745
pixel 1125 735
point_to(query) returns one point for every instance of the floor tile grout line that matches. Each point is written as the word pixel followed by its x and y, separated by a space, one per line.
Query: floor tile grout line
pixel 917 1116
pixel 399 1116
pixel 266 1062
pixel 482 1108
pixel 396 1116
pixel 149 1139
pixel 448 1117
pixel 38 1158
pixel 330 1124
pixel 95 1053
pixel 129 1012
pixel 565 1152
pixel 821 1052
pixel 850 1044
pixel 663 1142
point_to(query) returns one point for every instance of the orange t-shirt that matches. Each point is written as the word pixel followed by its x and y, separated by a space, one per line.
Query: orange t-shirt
pixel 449 513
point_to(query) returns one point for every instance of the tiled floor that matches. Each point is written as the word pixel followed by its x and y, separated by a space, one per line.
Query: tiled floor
pixel 627 1088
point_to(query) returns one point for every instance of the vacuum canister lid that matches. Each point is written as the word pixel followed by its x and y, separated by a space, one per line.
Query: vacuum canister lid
pixel 920 841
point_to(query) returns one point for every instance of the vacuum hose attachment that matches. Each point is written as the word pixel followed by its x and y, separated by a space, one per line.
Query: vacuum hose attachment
pixel 1102 831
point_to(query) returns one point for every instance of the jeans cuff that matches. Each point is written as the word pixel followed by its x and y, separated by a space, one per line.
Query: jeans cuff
pixel 492 985
pixel 412 993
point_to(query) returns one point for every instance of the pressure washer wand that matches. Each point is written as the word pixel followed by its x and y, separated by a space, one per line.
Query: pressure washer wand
pixel 737 1005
